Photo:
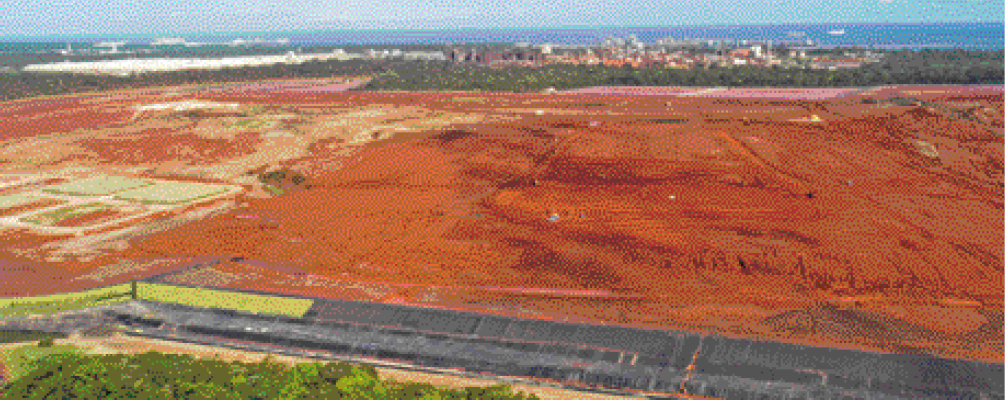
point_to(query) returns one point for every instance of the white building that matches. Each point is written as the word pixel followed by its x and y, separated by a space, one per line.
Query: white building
pixel 424 55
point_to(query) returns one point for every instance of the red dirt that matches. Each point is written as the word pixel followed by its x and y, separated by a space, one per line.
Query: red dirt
pixel 161 145
pixel 733 220
pixel 63 119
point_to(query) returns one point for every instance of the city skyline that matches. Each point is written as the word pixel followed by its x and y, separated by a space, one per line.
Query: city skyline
pixel 156 17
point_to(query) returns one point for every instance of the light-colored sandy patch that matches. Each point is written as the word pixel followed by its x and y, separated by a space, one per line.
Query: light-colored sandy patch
pixel 279 134
pixel 99 242
pixel 269 151
pixel 38 154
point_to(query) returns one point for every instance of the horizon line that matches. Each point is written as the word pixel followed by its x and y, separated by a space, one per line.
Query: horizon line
pixel 583 27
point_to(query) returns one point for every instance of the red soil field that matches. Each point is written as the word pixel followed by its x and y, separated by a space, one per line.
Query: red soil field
pixel 723 217
pixel 161 145
pixel 64 119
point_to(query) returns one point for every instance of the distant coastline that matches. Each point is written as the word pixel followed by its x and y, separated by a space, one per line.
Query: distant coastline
pixel 986 36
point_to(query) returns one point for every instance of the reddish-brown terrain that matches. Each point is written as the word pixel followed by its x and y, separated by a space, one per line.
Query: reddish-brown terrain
pixel 878 227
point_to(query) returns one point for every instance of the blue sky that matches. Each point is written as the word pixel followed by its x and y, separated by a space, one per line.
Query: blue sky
pixel 31 18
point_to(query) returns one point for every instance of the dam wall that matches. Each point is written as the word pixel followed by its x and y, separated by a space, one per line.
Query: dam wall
pixel 612 358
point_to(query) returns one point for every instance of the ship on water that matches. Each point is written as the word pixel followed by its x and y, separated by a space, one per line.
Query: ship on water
pixel 836 32
pixel 168 42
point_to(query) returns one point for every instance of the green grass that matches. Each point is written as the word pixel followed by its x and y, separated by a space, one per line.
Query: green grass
pixel 27 336
pixel 171 193
pixel 208 298
pixel 66 306
pixel 273 190
pixel 65 297
pixel 55 216
pixel 14 306
pixel 20 361
pixel 98 186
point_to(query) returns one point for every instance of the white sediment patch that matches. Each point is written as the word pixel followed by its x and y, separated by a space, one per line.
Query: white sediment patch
pixel 97 186
pixel 173 192
pixel 185 105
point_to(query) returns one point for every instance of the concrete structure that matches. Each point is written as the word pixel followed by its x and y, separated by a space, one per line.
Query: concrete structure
pixel 425 55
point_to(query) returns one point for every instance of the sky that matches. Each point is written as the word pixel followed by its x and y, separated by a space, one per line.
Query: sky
pixel 69 18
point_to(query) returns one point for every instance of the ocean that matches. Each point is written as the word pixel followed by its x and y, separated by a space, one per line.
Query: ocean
pixel 973 36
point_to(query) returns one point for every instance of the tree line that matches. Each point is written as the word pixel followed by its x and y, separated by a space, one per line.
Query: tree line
pixel 154 375
pixel 902 67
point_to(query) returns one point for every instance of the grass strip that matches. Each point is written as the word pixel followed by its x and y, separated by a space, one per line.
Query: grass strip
pixel 65 297
pixel 208 298
pixel 17 309
pixel 61 308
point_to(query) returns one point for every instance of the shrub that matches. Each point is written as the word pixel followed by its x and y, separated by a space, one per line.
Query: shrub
pixel 46 342
pixel 168 376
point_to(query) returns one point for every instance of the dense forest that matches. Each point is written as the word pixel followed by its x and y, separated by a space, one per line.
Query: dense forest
pixel 153 375
pixel 897 67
